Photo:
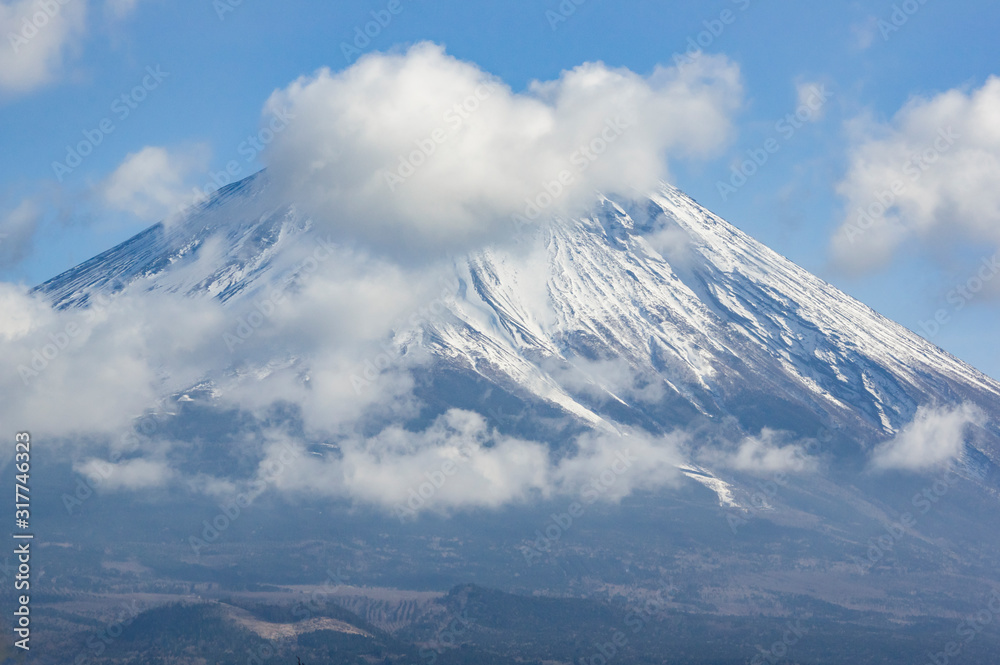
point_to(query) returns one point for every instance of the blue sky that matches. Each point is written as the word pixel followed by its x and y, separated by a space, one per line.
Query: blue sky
pixel 887 72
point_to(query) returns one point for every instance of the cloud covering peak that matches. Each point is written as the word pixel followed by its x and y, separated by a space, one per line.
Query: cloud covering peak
pixel 419 152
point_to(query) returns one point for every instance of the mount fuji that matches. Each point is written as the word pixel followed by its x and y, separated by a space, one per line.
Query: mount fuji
pixel 649 315
pixel 656 297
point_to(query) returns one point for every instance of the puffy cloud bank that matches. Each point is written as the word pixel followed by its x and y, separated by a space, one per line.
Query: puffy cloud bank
pixel 419 152
pixel 766 453
pixel 459 462
pixel 401 156
pixel 38 36
pixel 928 175
pixel 936 435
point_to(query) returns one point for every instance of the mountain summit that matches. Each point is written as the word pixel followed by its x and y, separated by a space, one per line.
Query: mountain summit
pixel 647 333
pixel 651 312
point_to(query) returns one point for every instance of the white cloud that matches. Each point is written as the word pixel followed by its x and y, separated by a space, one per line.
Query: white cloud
pixel 459 463
pixel 928 175
pixel 672 243
pixel 154 182
pixel 864 33
pixel 92 371
pixel 934 436
pixel 812 97
pixel 464 464
pixel 131 474
pixel 602 379
pixel 39 36
pixel 21 313
pixel 17 230
pixel 481 158
pixel 609 467
pixel 764 453
pixel 77 372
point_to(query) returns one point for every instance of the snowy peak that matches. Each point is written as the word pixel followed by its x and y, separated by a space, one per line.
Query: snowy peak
pixel 668 302
pixel 650 312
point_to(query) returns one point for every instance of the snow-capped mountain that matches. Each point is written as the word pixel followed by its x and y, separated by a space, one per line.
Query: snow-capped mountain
pixel 648 317
pixel 654 313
